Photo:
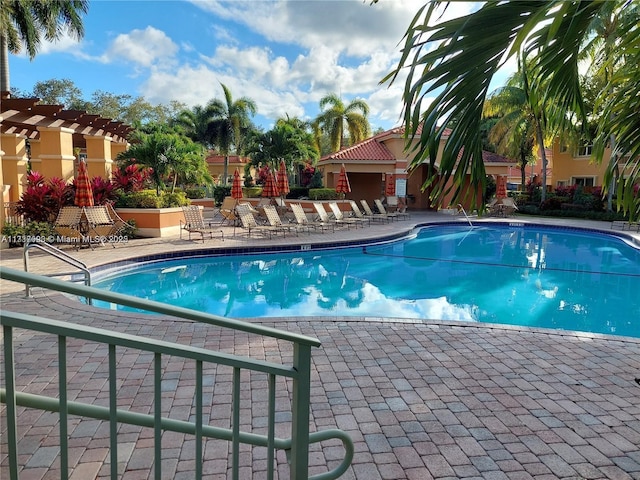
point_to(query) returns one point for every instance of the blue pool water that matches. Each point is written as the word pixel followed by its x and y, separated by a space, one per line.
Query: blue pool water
pixel 538 277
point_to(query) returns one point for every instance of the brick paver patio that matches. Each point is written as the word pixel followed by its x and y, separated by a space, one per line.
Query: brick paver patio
pixel 420 399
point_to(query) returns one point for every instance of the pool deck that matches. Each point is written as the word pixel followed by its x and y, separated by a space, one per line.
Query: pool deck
pixel 420 399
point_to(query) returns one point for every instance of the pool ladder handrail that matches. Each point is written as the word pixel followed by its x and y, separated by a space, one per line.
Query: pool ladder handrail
pixel 461 208
pixel 60 255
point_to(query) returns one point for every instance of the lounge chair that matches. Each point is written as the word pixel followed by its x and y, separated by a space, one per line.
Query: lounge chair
pixel 358 213
pixel 228 211
pixel 100 226
pixel 68 225
pixel 300 218
pixel 395 207
pixel 383 211
pixel 324 216
pixel 118 223
pixel 339 216
pixel 624 225
pixel 373 216
pixel 248 222
pixel 194 223
pixel 274 220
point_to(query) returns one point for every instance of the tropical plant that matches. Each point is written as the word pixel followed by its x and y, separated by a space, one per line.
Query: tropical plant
pixel 516 130
pixel 449 65
pixel 197 124
pixel 42 199
pixel 131 178
pixel 335 116
pixel 168 156
pixel 231 119
pixel 283 142
pixel 24 24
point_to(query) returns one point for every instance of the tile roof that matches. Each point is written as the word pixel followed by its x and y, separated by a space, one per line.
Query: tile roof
pixel 214 158
pixel 370 149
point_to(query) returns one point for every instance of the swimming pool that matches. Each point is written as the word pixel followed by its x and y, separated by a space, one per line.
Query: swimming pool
pixel 509 274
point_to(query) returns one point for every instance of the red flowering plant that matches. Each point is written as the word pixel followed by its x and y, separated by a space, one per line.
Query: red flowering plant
pixel 263 173
pixel 132 178
pixel 306 175
pixel 103 191
pixel 41 200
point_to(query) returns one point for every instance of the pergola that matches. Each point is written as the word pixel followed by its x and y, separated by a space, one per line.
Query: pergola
pixel 49 136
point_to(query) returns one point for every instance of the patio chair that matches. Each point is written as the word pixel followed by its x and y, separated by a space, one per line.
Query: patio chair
pixel 373 216
pixel 68 225
pixel 228 211
pixel 248 222
pixel 324 216
pixel 194 223
pixel 396 207
pixel 118 223
pixel 358 213
pixel 339 216
pixel 100 226
pixel 274 220
pixel 300 218
pixel 383 211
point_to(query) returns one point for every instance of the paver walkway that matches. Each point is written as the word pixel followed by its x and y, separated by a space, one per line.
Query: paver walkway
pixel 421 399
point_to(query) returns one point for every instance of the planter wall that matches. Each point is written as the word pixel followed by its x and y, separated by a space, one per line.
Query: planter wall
pixel 154 222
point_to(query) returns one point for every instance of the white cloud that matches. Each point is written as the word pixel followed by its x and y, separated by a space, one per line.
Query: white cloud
pixel 145 48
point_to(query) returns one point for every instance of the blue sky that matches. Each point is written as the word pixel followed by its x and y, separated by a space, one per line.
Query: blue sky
pixel 283 54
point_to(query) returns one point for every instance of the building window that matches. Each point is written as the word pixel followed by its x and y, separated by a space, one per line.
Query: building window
pixel 585 150
pixel 561 183
pixel 584 181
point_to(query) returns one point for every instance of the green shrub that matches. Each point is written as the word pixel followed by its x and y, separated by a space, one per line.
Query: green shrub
pixel 252 192
pixel 195 192
pixel 220 192
pixel 298 192
pixel 141 199
pixel 172 200
pixel 323 194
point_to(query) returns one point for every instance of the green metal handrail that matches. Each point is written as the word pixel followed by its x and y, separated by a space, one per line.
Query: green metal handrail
pixel 297 446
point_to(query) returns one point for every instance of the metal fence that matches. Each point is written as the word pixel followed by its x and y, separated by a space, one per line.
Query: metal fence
pixel 295 376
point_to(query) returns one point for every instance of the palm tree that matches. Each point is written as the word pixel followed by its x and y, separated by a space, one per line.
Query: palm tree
pixel 449 65
pixel 513 133
pixel 197 124
pixel 24 23
pixel 332 120
pixel 230 119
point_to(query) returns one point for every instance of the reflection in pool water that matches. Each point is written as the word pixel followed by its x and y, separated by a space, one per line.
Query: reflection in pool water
pixel 542 277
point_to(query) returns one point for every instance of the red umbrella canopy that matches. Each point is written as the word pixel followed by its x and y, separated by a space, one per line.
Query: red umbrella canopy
pixel 390 186
pixel 84 192
pixel 343 181
pixel 270 189
pixel 501 187
pixel 236 187
pixel 283 180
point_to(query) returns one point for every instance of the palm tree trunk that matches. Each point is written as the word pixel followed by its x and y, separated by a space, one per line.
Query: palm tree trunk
pixel 543 155
pixel 225 170
pixel 4 64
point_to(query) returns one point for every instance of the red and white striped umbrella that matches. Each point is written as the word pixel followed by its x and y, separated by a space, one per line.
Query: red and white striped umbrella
pixel 236 187
pixel 501 187
pixel 270 188
pixel 283 180
pixel 390 186
pixel 84 191
pixel 343 181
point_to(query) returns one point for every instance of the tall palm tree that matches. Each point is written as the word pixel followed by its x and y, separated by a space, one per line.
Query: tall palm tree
pixel 335 116
pixel 23 25
pixel 513 134
pixel 449 65
pixel 197 124
pixel 231 118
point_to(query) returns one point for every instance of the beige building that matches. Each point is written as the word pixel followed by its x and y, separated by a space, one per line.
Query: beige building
pixel 369 162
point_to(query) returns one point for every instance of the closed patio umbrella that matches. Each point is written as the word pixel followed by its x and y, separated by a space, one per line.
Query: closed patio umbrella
pixel 84 191
pixel 501 187
pixel 236 187
pixel 343 181
pixel 283 180
pixel 270 189
pixel 390 186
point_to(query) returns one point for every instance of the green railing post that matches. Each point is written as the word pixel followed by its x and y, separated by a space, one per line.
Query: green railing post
pixel 300 410
pixel 12 419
